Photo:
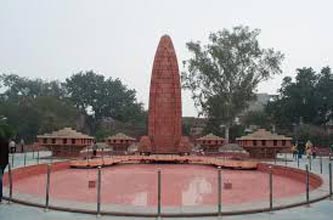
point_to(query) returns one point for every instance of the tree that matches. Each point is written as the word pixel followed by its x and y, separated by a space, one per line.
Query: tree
pixel 223 74
pixel 33 106
pixel 101 97
pixel 297 102
pixel 30 117
pixel 324 94
pixel 6 131
pixel 259 118
pixel 17 86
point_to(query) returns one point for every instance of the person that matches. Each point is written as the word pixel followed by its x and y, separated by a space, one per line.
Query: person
pixel 94 149
pixel 309 152
pixel 3 161
pixel 294 150
pixel 22 145
pixel 314 152
pixel 308 149
pixel 12 146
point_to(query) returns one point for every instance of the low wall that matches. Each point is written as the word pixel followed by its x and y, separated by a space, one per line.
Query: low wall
pixel 228 155
pixel 24 172
pixel 290 172
pixel 297 174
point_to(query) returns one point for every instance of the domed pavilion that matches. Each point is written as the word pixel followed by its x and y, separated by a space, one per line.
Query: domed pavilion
pixel 120 142
pixel 65 142
pixel 264 144
pixel 210 142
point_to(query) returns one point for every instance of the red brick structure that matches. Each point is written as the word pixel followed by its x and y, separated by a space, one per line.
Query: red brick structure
pixel 264 144
pixel 210 142
pixel 65 142
pixel 120 142
pixel 165 111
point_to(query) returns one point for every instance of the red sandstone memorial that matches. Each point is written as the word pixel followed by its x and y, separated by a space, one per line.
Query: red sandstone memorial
pixel 165 110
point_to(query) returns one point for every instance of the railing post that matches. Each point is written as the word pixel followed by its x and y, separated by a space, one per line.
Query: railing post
pixel 10 178
pixel 285 159
pixel 38 156
pixel 297 160
pixel 99 186
pixel 330 179
pixel 13 159
pixel 102 155
pixel 51 156
pixel 307 184
pixel 310 162
pixel 25 158
pixel 219 192
pixel 270 188
pixel 47 191
pixel 321 164
pixel 159 206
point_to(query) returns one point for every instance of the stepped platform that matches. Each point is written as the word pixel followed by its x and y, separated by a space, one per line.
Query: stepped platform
pixel 175 159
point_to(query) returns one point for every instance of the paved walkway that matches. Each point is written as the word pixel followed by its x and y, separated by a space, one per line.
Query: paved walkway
pixel 320 211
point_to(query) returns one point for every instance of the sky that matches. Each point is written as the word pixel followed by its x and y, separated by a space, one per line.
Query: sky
pixel 53 39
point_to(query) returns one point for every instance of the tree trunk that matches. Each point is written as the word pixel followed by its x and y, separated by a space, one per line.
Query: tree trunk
pixel 226 133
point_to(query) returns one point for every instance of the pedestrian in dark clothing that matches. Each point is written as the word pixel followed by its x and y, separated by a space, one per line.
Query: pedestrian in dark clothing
pixel 4 152
pixel 22 146
pixel 314 152
pixel 95 149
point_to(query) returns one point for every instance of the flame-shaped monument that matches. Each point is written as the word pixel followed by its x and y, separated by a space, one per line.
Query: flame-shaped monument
pixel 165 109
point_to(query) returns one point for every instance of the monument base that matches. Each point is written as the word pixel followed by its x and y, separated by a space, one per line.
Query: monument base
pixel 183 148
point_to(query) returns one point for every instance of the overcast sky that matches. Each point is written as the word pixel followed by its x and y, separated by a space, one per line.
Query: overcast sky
pixel 53 39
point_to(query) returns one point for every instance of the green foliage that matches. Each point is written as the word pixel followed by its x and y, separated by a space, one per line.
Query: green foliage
pixel 34 106
pixel 17 87
pixel 103 97
pixel 324 95
pixel 318 136
pixel 213 126
pixel 39 115
pixel 308 100
pixel 223 74
pixel 6 131
pixel 236 131
pixel 259 118
pixel 186 128
pixel 101 134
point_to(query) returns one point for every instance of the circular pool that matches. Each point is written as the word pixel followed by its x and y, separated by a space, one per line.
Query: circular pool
pixel 181 185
